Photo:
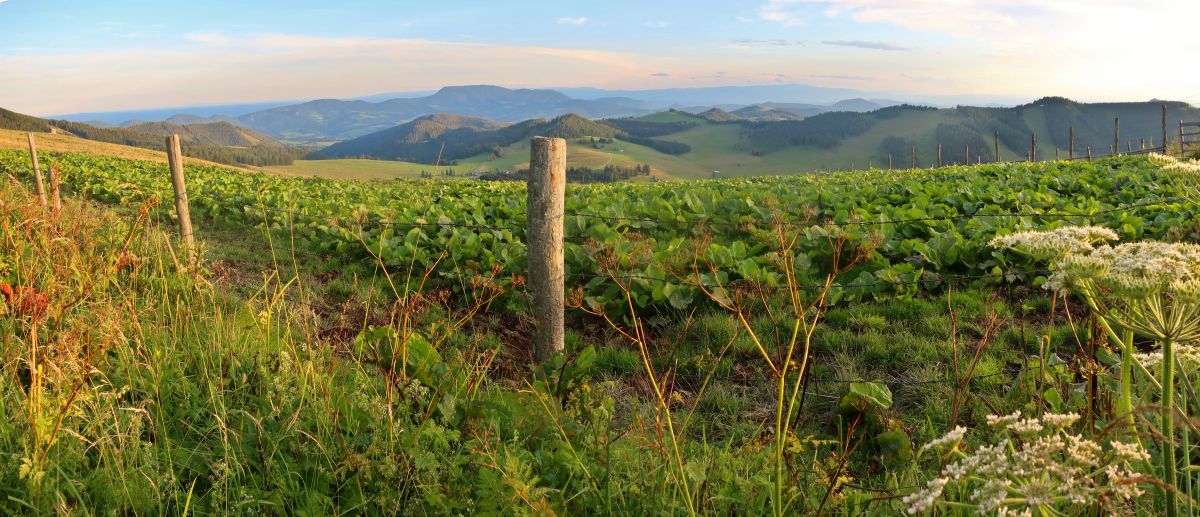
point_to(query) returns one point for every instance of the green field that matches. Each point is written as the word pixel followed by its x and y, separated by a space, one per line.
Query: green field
pixel 743 346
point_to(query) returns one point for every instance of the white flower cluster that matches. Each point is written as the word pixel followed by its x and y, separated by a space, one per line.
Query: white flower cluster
pixel 952 439
pixel 1055 243
pixel 1187 355
pixel 1171 163
pixel 1046 464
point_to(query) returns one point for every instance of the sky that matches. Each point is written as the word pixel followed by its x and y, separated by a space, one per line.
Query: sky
pixel 65 56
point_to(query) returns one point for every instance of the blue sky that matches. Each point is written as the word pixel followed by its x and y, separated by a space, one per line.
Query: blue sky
pixel 74 55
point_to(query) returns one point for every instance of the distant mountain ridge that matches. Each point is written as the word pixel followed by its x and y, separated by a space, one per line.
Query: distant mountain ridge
pixel 329 119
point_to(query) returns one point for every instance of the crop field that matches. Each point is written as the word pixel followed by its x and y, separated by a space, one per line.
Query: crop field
pixel 772 345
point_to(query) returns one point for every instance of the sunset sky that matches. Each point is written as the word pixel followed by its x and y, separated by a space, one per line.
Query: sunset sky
pixel 62 56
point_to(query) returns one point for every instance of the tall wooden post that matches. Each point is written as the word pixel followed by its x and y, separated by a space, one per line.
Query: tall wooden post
pixel 996 142
pixel 175 159
pixel 1117 135
pixel 966 154
pixel 1143 148
pixel 1180 136
pixel 940 148
pixel 889 161
pixel 1164 128
pixel 38 185
pixel 914 156
pixel 1071 144
pixel 1033 147
pixel 55 188
pixel 546 194
pixel 1056 157
pixel 1089 153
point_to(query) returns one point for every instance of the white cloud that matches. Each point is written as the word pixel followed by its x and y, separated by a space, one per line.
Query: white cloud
pixel 657 25
pixel 572 21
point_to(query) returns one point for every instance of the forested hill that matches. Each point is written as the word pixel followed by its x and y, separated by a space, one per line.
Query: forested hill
pixel 218 141
pixel 427 139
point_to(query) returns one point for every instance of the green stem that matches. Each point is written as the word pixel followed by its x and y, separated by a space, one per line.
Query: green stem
pixel 1168 423
pixel 1125 404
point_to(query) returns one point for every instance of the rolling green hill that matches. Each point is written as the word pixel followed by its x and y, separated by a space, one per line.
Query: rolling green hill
pixel 678 144
pixel 220 142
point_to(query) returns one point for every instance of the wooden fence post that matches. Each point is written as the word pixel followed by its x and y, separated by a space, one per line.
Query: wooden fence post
pixel 55 188
pixel 1071 144
pixel 1089 153
pixel 1164 128
pixel 546 194
pixel 1181 151
pixel 175 159
pixel 996 142
pixel 38 185
pixel 1117 135
pixel 967 154
pixel 940 146
pixel 914 156
pixel 889 161
pixel 1033 147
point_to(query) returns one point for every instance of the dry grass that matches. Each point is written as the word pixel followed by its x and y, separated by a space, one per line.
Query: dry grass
pixel 68 143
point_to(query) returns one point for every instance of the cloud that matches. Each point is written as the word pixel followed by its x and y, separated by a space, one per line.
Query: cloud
pixel 660 74
pixel 763 43
pixel 657 25
pixel 843 77
pixel 572 21
pixel 785 12
pixel 873 45
pixel 211 70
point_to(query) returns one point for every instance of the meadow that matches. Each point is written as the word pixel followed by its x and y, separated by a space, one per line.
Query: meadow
pixel 845 343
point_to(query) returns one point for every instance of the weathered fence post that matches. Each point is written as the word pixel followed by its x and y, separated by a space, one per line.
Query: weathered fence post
pixel 1181 150
pixel 914 156
pixel 55 188
pixel 38 185
pixel 996 142
pixel 940 147
pixel 1033 147
pixel 966 154
pixel 1117 135
pixel 1071 144
pixel 1089 153
pixel 889 161
pixel 175 159
pixel 544 229
pixel 1164 128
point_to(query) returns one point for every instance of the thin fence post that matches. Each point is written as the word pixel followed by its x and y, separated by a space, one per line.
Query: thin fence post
pixel 889 161
pixel 914 156
pixel 546 194
pixel 55 188
pixel 996 142
pixel 940 147
pixel 1117 135
pixel 1056 156
pixel 1089 153
pixel 966 154
pixel 1071 144
pixel 38 185
pixel 1181 150
pixel 1033 147
pixel 175 159
pixel 1164 127
pixel 1143 148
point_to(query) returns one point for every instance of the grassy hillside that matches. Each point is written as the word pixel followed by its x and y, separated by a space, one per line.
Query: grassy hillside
pixel 68 143
pixel 217 141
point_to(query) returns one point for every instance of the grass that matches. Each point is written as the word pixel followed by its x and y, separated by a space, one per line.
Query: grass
pixel 267 385
pixel 69 143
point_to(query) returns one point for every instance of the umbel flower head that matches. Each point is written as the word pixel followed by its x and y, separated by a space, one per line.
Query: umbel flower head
pixel 1173 164
pixel 1036 462
pixel 1057 243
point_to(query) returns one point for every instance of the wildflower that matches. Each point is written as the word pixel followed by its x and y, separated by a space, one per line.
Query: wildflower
pixel 924 499
pixel 1173 164
pixel 1129 451
pixel 1002 422
pixel 1060 421
pixel 25 301
pixel 1027 426
pixel 951 438
pixel 1055 243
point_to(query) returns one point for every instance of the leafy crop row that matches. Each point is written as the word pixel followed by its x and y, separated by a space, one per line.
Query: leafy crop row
pixel 930 225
